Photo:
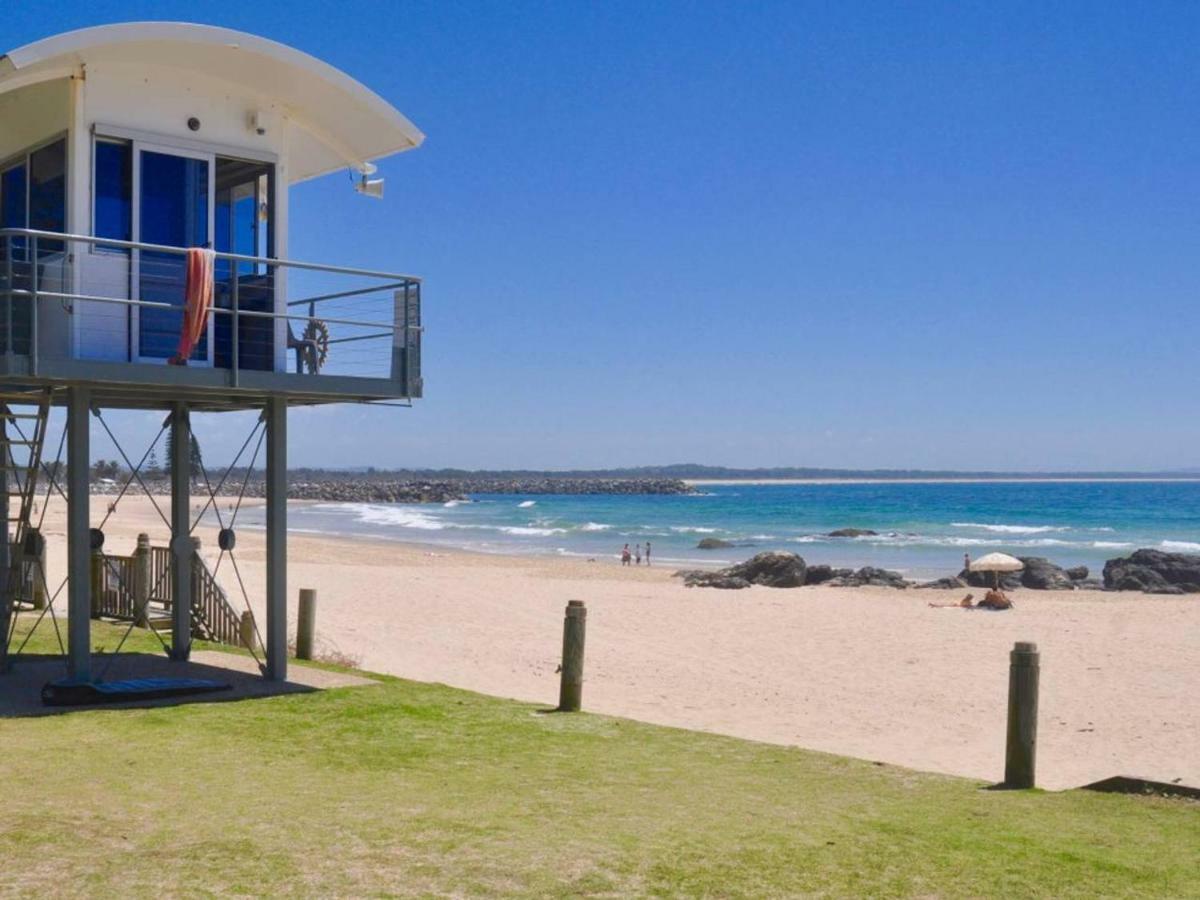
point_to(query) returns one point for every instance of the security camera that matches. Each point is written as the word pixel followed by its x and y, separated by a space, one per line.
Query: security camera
pixel 371 187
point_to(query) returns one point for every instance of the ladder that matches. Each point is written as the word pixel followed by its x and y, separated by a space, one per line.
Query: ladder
pixel 23 417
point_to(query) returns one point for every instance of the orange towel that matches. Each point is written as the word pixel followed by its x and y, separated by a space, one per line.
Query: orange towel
pixel 198 294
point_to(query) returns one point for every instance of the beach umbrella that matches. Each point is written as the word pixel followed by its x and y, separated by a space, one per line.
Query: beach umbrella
pixel 997 563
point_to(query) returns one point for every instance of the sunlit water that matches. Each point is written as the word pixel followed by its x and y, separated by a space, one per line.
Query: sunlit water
pixel 924 529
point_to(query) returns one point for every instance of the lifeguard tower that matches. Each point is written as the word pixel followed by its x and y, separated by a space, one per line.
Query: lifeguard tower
pixel 122 148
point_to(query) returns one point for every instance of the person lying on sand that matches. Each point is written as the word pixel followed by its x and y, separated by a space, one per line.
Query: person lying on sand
pixel 995 600
pixel 967 602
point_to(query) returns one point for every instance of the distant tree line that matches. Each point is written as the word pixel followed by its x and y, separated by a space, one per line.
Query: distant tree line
pixel 152 470
pixel 686 471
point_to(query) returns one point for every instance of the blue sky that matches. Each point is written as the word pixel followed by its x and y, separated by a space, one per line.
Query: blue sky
pixel 953 235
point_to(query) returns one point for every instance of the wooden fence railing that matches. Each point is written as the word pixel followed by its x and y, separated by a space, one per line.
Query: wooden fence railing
pixel 213 618
pixel 140 588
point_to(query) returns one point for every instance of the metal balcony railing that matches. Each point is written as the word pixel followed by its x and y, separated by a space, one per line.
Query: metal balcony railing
pixel 75 297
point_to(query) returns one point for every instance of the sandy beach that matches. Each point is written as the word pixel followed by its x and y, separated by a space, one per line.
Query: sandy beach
pixel 871 673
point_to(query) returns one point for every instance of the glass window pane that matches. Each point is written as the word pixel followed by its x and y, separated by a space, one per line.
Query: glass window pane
pixel 12 198
pixel 12 206
pixel 243 225
pixel 48 192
pixel 114 190
pixel 174 212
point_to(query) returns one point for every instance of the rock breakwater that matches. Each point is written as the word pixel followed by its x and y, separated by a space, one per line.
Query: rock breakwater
pixel 368 490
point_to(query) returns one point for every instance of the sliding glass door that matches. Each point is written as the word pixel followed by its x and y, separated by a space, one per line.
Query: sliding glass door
pixel 174 209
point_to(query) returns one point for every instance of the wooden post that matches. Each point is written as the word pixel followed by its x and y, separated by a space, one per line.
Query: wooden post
pixel 37 567
pixel 1021 752
pixel 306 623
pixel 570 691
pixel 246 630
pixel 96 574
pixel 142 574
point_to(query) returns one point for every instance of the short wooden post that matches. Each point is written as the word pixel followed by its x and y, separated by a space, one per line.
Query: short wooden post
pixel 36 571
pixel 570 692
pixel 142 575
pixel 306 623
pixel 1021 754
pixel 246 630
pixel 97 582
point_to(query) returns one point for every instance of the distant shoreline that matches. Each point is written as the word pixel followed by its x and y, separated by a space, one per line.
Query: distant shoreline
pixel 1032 479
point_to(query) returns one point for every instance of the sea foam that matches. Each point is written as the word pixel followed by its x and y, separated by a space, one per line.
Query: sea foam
pixel 1010 529
pixel 1181 546
pixel 396 516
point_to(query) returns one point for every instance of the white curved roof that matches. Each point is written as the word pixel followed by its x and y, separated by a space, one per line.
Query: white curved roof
pixel 351 123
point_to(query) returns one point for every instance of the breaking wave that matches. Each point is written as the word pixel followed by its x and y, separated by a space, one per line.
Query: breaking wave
pixel 396 516
pixel 1010 529
pixel 1181 546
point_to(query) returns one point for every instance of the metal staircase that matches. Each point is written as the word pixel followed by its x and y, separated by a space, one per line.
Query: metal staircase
pixel 23 417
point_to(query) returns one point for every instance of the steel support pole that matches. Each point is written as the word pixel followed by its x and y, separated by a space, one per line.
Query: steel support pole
pixel 6 595
pixel 79 550
pixel 276 637
pixel 182 547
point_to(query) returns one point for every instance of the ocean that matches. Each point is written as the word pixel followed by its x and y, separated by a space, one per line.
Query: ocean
pixel 923 528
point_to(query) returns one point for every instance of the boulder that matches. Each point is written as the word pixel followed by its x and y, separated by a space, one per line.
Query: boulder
pixel 771 569
pixel 852 532
pixel 869 575
pixel 1078 573
pixel 822 573
pixel 1155 572
pixel 949 583
pixel 698 578
pixel 1009 581
pixel 1040 574
pixel 713 544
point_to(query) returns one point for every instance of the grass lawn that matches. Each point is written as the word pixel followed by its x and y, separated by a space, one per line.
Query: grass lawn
pixel 412 788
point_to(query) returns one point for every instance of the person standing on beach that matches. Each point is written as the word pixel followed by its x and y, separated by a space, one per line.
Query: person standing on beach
pixel 625 555
pixel 637 554
pixel 647 553
pixel 966 562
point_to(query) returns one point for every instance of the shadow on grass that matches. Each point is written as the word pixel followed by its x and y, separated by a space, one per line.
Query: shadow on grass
pixel 1122 784
pixel 21 687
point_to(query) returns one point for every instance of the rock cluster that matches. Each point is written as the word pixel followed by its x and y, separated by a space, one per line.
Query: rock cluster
pixel 1154 572
pixel 1039 574
pixel 699 578
pixel 713 544
pixel 771 569
pixel 852 532
pixel 820 574
pixel 787 570
pixel 869 575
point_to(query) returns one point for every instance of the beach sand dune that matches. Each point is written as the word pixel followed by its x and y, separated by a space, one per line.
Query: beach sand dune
pixel 872 673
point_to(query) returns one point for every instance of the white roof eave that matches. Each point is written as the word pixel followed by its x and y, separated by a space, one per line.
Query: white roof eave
pixel 351 120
